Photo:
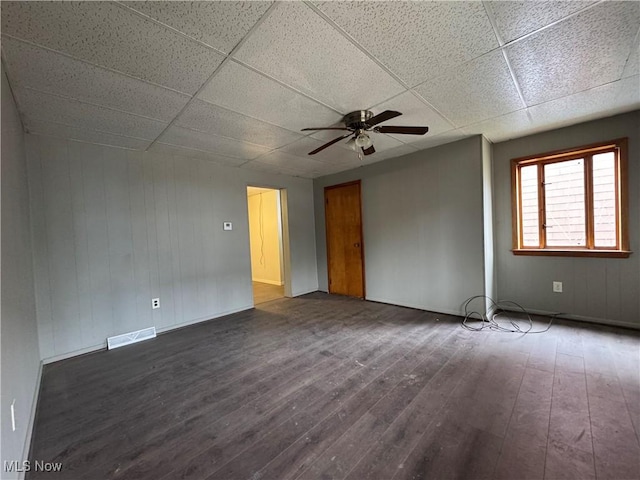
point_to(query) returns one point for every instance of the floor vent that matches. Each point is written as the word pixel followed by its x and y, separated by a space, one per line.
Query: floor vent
pixel 132 337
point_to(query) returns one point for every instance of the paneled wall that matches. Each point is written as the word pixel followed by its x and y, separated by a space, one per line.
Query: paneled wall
pixel 20 354
pixel 599 289
pixel 422 225
pixel 114 228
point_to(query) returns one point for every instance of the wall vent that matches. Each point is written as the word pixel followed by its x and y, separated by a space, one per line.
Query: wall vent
pixel 132 337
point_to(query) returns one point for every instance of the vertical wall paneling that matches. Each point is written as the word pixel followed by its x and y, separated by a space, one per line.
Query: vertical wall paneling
pixel 596 289
pixel 140 238
pixel 165 262
pixel 97 241
pixel 115 228
pixel 423 226
pixel 83 274
pixel 152 237
pixel 60 238
pixel 42 282
pixel 119 235
pixel 19 352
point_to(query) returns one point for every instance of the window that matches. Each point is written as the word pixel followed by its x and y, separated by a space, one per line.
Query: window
pixel 572 202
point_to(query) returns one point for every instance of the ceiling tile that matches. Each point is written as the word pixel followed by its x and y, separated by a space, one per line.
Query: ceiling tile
pixel 415 113
pixel 283 160
pixel 220 25
pixel 172 150
pixel 319 62
pixel 505 127
pixel 517 18
pixel 332 154
pixel 446 137
pixel 631 68
pixel 84 135
pixel 243 90
pixel 206 117
pixel 606 100
pixel 416 40
pixel 480 89
pixel 582 52
pixel 44 70
pixel 211 143
pixel 106 34
pixel 41 106
pixel 392 153
pixel 284 170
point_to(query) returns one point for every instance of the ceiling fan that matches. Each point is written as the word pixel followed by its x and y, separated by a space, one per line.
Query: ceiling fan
pixel 360 122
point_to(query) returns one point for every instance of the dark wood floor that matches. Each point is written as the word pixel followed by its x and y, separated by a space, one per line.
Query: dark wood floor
pixel 322 387
pixel 265 292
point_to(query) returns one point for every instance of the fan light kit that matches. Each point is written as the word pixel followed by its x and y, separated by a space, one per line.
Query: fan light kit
pixel 360 122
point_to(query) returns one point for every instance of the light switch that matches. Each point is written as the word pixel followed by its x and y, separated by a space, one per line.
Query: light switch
pixel 227 226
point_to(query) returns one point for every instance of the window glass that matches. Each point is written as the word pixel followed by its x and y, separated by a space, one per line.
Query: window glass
pixel 565 224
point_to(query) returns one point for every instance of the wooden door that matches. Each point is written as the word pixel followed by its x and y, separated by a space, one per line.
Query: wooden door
pixel 345 250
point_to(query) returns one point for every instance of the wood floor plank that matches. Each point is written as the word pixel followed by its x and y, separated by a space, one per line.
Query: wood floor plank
pixel 329 421
pixel 229 397
pixel 525 443
pixel 324 386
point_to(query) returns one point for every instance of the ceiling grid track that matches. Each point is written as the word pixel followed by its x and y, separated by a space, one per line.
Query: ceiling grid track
pixel 373 58
pixel 215 72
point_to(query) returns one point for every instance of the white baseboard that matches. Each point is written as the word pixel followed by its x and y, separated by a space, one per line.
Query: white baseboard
pixel 427 308
pixel 75 353
pixel 204 319
pixel 270 282
pixel 103 345
pixel 304 292
pixel 32 419
pixel 581 318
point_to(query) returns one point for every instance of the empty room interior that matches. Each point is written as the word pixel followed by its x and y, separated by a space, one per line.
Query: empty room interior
pixel 320 240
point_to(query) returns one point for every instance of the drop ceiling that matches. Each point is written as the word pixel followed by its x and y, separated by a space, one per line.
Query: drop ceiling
pixel 234 82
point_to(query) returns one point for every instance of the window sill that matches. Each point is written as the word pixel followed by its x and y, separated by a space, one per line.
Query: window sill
pixel 573 253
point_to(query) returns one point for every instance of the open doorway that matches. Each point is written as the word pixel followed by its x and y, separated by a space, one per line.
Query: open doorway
pixel 266 244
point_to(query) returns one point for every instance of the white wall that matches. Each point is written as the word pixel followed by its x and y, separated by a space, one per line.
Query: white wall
pixel 422 226
pixel 114 228
pixel 264 229
pixel 598 289
pixel 18 330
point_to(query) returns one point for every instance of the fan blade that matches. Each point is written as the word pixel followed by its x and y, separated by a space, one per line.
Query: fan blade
pixel 404 130
pixel 382 117
pixel 324 128
pixel 369 151
pixel 328 144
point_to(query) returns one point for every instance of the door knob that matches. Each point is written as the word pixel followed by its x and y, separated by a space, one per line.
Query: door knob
pixel 357 245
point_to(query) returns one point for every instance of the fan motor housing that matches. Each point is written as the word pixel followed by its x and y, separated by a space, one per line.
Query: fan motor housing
pixel 356 120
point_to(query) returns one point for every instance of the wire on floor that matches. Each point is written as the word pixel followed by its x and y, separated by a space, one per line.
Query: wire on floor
pixel 492 322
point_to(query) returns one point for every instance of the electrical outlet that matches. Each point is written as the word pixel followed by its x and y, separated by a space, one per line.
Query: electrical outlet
pixel 227 226
pixel 557 287
pixel 155 303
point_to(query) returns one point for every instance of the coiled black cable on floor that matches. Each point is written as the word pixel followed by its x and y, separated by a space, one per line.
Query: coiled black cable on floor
pixel 500 308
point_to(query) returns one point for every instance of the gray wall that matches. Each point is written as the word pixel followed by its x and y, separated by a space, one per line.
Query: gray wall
pixel 114 228
pixel 490 285
pixel 19 345
pixel 422 225
pixel 599 289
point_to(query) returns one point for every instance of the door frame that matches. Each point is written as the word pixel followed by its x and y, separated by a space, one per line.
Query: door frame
pixel 283 227
pixel 326 231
